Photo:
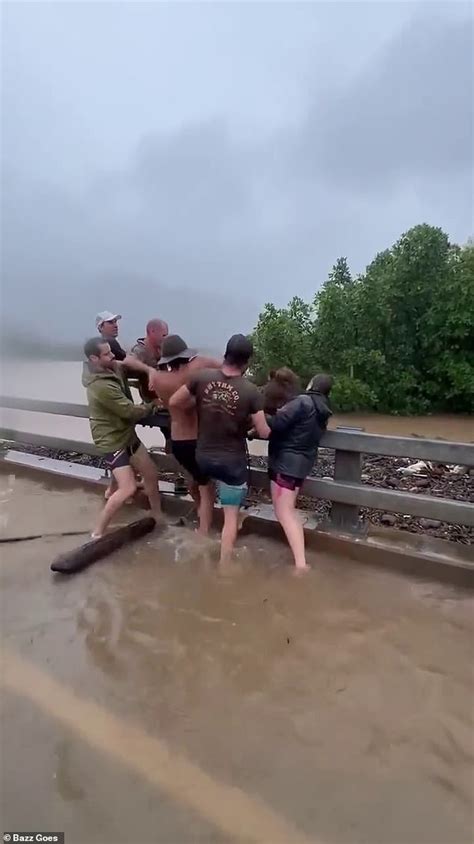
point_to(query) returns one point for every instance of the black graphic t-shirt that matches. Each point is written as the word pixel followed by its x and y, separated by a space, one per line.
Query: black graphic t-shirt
pixel 224 404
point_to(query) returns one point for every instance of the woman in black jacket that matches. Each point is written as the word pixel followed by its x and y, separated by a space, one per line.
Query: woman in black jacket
pixel 296 431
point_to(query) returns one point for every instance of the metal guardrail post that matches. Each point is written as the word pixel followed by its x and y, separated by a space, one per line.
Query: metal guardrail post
pixel 346 492
pixel 348 468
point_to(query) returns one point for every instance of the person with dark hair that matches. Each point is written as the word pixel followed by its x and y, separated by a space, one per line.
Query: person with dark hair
pixel 177 365
pixel 283 385
pixel 225 401
pixel 113 416
pixel 296 429
pixel 107 325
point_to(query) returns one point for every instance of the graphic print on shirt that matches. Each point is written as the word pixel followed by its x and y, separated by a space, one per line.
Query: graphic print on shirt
pixel 221 397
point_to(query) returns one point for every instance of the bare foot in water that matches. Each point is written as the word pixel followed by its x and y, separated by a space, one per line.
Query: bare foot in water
pixel 300 570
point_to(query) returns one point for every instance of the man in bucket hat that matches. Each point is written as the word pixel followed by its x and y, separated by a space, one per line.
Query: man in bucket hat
pixel 177 365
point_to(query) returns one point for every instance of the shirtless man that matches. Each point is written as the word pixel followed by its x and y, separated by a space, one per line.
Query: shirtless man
pixel 178 364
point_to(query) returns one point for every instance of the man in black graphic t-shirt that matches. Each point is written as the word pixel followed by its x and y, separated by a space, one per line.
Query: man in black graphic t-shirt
pixel 227 405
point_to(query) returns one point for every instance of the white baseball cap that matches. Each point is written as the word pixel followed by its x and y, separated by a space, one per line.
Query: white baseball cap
pixel 105 316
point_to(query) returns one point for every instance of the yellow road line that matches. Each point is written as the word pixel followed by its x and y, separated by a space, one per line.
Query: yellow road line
pixel 229 808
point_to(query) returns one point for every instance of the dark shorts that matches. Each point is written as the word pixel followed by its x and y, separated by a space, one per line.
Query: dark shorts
pixel 285 481
pixel 118 459
pixel 230 477
pixel 155 420
pixel 185 453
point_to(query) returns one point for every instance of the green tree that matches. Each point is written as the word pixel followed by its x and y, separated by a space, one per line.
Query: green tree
pixel 450 325
pixel 398 338
pixel 283 337
pixel 335 335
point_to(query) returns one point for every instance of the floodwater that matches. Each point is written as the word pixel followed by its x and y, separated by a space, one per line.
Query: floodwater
pixel 61 381
pixel 154 697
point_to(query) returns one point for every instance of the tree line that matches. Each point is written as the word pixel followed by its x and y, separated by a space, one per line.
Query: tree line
pixel 399 338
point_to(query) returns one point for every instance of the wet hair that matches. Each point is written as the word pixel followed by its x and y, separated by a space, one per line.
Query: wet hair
pixel 92 346
pixel 321 384
pixel 239 350
pixel 283 386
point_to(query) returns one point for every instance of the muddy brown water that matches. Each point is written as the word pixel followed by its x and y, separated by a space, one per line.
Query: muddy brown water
pixel 156 698
pixel 61 381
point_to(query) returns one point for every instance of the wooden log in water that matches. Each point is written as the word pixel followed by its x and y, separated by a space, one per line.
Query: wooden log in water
pixel 79 558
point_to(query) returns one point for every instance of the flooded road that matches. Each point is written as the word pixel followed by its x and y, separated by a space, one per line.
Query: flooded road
pixel 61 381
pixel 156 698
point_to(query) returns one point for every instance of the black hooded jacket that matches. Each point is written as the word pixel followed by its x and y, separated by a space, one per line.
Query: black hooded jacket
pixel 296 431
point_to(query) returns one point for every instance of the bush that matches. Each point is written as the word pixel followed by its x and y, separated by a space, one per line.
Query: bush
pixel 350 394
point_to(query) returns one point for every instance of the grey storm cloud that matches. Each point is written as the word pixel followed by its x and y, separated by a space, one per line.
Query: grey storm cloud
pixel 409 114
pixel 201 219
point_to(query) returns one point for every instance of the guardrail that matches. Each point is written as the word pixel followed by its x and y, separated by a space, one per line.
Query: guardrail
pixel 346 492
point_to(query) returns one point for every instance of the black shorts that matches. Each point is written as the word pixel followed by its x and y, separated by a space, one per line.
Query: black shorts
pixel 118 459
pixel 185 453
pixel 285 481
pixel 225 469
pixel 157 420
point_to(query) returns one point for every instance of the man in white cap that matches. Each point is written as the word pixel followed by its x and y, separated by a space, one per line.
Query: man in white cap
pixel 107 325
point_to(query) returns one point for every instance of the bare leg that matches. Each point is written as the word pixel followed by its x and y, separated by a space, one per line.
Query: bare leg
pixel 142 462
pixel 229 532
pixel 284 502
pixel 195 494
pixel 126 486
pixel 111 488
pixel 206 508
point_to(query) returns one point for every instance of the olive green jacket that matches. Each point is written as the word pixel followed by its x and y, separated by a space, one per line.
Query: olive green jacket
pixel 112 412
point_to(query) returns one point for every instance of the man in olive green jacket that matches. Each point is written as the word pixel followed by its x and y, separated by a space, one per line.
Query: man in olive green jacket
pixel 113 416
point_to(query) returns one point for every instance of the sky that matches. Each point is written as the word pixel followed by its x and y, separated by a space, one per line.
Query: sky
pixel 193 161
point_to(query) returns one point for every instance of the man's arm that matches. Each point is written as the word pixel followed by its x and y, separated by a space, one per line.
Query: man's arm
pixel 112 397
pixel 183 399
pixel 130 361
pixel 260 424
